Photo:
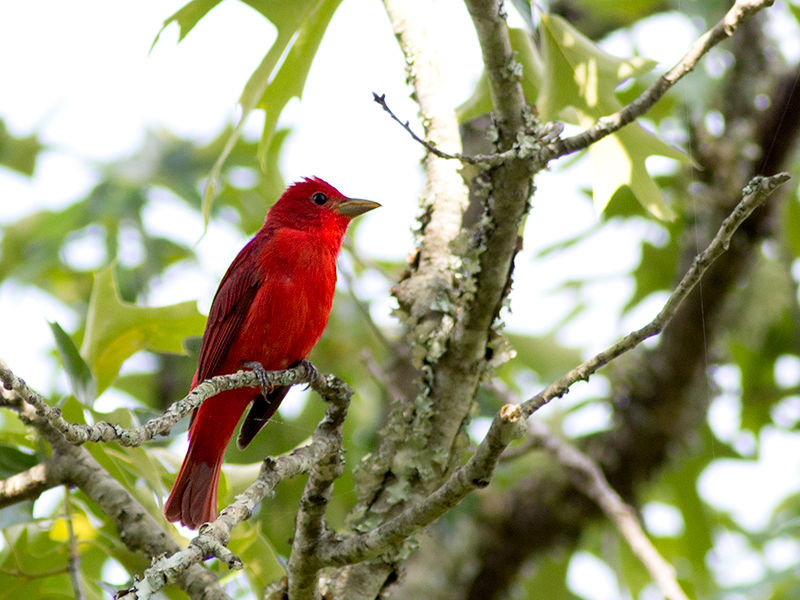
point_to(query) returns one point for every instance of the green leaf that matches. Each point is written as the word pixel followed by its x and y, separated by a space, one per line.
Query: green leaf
pixel 547 576
pixel 115 330
pixel 791 225
pixel 187 17
pixel 795 10
pixel 254 548
pixel 13 461
pixel 655 270
pixel 82 383
pixel 544 354
pixel 579 73
pixel 290 80
pixel 19 154
pixel 579 86
pixel 301 26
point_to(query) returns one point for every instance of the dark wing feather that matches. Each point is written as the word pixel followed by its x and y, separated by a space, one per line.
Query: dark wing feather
pixel 229 309
pixel 260 412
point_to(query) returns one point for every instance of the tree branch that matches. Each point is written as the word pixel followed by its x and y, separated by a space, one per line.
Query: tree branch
pixel 740 11
pixel 506 426
pixel 29 484
pixel 478 471
pixel 213 537
pixel 659 395
pixel 73 465
pixel 754 194
pixel 431 284
pixel 304 563
pixel 588 477
pixel 78 433
pixel 138 530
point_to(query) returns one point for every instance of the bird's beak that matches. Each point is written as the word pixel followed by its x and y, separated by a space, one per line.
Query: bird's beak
pixel 352 207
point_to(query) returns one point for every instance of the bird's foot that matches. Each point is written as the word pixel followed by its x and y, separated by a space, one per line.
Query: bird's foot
pixel 314 374
pixel 261 375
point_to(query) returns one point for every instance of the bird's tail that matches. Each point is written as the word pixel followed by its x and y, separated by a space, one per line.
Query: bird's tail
pixel 193 498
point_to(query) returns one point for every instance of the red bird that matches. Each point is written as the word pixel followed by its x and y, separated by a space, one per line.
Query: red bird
pixel 271 307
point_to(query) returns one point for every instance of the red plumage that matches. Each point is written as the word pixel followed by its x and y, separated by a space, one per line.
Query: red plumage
pixel 271 307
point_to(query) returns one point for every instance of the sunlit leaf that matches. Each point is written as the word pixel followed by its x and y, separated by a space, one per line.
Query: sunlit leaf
pixel 83 529
pixel 580 86
pixel 19 154
pixel 187 17
pixel 301 26
pixel 116 330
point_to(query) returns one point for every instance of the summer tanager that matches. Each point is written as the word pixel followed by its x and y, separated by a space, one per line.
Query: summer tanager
pixel 271 308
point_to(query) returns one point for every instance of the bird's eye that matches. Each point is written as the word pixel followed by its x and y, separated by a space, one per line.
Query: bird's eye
pixel 319 198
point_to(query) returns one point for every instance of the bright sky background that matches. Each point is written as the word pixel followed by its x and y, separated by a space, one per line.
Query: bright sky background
pixel 82 77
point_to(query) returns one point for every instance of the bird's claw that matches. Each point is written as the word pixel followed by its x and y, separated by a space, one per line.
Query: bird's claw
pixel 261 375
pixel 314 374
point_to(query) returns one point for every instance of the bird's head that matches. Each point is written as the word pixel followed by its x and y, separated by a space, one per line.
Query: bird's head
pixel 315 205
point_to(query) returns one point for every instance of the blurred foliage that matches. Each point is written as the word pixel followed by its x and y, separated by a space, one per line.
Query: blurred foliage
pixel 281 75
pixel 116 324
pixel 570 78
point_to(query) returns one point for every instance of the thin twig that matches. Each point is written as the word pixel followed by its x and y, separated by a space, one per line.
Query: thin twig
pixel 740 11
pixel 368 262
pixel 363 308
pixel 381 378
pixel 73 556
pixel 588 477
pixel 754 194
pixel 487 160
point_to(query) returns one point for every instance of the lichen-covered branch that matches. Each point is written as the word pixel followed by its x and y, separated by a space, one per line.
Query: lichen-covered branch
pixel 310 530
pixel 427 296
pixel 487 258
pixel 73 465
pixel 78 433
pixel 507 426
pixel 445 196
pixel 739 12
pixel 212 539
pixel 479 469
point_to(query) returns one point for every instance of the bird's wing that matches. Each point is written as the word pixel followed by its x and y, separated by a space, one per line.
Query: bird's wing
pixel 261 411
pixel 229 309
